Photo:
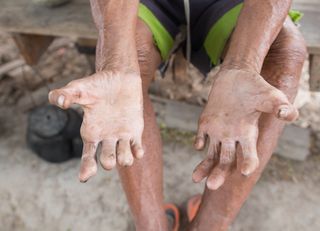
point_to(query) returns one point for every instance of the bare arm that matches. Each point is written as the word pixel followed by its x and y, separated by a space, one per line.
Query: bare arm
pixel 112 97
pixel 258 25
pixel 116 24
pixel 240 94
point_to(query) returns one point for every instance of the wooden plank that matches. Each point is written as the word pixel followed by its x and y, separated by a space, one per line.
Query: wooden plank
pixel 314 80
pixel 71 20
pixel 74 19
pixel 32 46
pixel 314 50
pixel 309 28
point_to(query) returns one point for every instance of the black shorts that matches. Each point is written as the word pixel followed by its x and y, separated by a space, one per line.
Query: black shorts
pixel 211 24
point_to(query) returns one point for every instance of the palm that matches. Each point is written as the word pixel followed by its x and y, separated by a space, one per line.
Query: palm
pixel 230 119
pixel 113 115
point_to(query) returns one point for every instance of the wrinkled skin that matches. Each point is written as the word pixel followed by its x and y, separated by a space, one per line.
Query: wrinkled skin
pixel 230 119
pixel 113 115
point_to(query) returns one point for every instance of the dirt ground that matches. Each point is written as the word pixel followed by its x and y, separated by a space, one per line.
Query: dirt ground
pixel 36 195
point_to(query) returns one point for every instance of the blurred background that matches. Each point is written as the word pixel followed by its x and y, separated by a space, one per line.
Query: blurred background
pixel 46 43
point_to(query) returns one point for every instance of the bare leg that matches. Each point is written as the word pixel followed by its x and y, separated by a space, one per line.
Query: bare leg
pixel 282 69
pixel 142 182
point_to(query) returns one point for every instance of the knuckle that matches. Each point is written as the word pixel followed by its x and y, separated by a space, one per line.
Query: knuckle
pixel 203 121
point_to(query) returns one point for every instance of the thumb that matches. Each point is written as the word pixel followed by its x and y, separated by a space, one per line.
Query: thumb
pixel 66 96
pixel 287 112
pixel 276 102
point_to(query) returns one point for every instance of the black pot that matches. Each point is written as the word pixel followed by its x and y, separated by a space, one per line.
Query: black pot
pixel 54 134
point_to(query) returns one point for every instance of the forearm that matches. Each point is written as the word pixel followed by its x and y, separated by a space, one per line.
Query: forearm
pixel 116 23
pixel 258 25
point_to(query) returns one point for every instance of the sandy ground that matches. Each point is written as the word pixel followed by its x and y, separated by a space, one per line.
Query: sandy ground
pixel 35 195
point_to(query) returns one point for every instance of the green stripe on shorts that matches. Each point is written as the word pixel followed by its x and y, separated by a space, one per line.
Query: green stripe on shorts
pixel 222 29
pixel 220 33
pixel 161 36
pixel 295 15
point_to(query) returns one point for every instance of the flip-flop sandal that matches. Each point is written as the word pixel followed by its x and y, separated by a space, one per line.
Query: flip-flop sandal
pixel 173 215
pixel 193 205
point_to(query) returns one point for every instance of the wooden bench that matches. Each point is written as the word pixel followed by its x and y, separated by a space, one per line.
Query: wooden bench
pixel 34 27
pixel 310 25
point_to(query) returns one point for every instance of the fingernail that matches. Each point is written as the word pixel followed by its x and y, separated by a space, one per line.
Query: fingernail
pixel 245 171
pixel 283 113
pixel 49 95
pixel 61 100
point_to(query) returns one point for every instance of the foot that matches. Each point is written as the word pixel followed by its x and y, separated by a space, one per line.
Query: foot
pixel 193 205
pixel 230 119
pixel 173 216
pixel 113 115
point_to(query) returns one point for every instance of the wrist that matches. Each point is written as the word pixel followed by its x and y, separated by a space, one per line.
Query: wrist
pixel 120 74
pixel 241 64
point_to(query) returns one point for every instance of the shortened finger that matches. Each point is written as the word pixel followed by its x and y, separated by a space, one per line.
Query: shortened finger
pixel 287 112
pixel 202 170
pixel 213 149
pixel 218 176
pixel 250 157
pixel 108 158
pixel 137 149
pixel 228 152
pixel 124 155
pixel 64 97
pixel 88 167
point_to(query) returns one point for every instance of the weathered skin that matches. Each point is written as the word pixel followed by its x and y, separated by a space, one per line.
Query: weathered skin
pixel 240 94
pixel 111 98
pixel 127 59
pixel 282 68
pixel 116 109
pixel 231 117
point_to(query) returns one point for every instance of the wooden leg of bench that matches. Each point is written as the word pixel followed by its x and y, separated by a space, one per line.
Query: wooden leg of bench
pixel 32 46
pixel 314 81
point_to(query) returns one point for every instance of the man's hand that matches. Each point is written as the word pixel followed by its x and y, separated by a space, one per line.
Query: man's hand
pixel 113 115
pixel 230 119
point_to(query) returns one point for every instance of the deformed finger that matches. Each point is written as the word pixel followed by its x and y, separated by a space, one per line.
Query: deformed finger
pixel 228 152
pixel 124 155
pixel 250 157
pixel 202 170
pixel 218 176
pixel 65 96
pixel 88 166
pixel 288 113
pixel 277 103
pixel 213 149
pixel 137 149
pixel 108 158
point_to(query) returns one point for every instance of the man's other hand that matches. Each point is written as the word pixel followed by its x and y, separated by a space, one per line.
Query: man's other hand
pixel 113 115
pixel 229 122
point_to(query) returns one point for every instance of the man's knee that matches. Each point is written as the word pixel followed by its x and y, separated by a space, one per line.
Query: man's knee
pixel 289 47
pixel 286 56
